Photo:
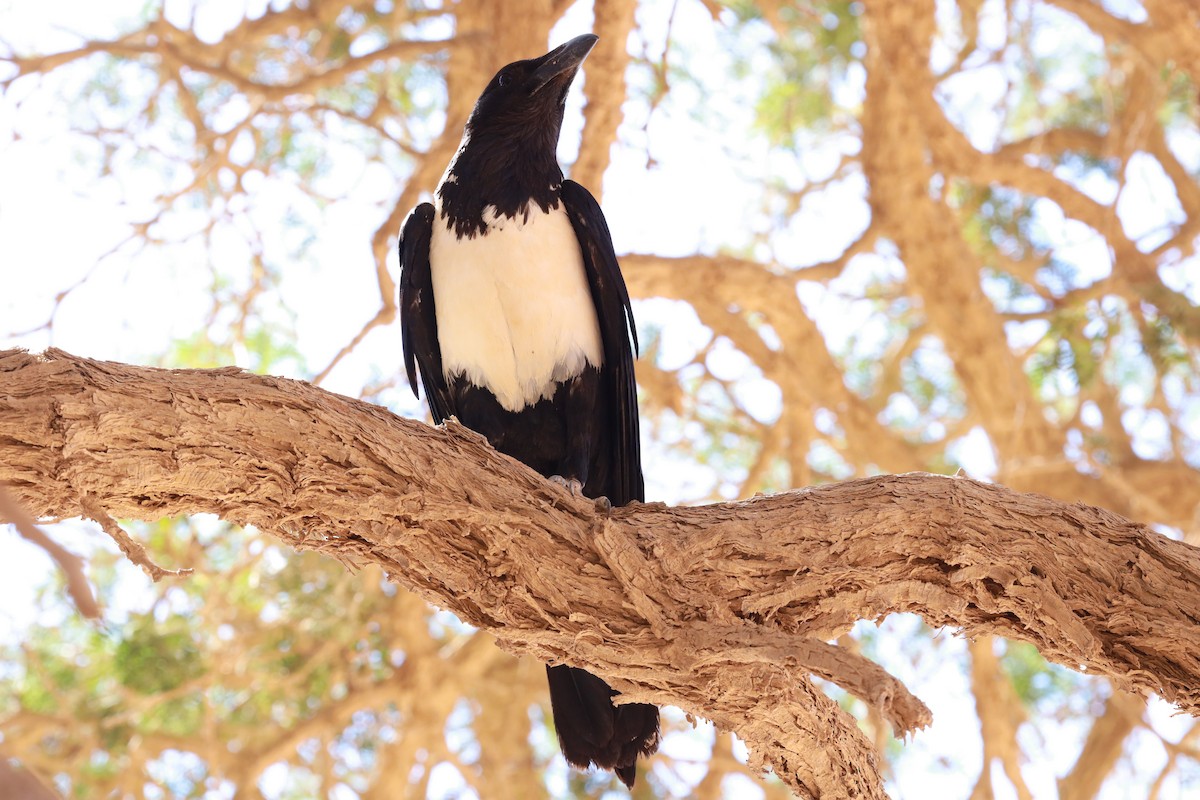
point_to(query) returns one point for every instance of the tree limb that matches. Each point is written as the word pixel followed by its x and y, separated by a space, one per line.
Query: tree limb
pixel 71 564
pixel 1103 747
pixel 17 783
pixel 721 609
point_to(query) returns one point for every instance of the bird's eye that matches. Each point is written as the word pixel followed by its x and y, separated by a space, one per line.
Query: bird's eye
pixel 504 80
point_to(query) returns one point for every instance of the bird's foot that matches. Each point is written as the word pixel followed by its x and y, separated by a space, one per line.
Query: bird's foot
pixel 574 488
pixel 571 485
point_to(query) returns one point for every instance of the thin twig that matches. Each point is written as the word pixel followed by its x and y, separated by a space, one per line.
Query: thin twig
pixel 132 549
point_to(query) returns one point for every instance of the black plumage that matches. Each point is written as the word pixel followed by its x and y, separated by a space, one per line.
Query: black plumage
pixel 517 320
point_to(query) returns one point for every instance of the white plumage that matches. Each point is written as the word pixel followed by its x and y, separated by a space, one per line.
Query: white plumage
pixel 518 315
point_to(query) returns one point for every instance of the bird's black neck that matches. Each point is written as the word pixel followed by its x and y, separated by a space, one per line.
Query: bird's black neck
pixel 512 170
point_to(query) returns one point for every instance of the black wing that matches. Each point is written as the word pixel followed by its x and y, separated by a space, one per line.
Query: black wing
pixel 418 318
pixel 616 330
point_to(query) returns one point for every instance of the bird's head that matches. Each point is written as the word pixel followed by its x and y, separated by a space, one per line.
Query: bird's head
pixel 525 100
pixel 508 154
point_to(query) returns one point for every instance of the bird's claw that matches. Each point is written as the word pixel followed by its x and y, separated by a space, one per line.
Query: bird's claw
pixel 571 485
pixel 574 488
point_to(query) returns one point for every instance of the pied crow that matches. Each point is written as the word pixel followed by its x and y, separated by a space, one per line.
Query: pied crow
pixel 514 312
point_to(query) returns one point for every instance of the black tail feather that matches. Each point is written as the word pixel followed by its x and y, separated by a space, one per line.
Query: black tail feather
pixel 591 730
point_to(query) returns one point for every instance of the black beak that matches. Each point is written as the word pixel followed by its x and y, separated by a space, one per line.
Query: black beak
pixel 562 60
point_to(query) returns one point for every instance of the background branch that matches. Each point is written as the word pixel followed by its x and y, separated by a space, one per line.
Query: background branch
pixel 70 564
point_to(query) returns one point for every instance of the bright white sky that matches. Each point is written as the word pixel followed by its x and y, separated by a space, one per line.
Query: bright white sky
pixel 55 224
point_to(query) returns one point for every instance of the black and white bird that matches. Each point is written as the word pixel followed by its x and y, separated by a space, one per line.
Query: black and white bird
pixel 515 314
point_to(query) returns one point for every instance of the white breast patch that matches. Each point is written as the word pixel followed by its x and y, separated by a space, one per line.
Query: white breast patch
pixel 514 311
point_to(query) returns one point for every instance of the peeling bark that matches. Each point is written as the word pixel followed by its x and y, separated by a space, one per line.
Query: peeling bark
pixel 722 609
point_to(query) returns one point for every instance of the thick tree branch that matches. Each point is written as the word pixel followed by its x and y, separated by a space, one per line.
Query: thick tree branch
pixel 719 609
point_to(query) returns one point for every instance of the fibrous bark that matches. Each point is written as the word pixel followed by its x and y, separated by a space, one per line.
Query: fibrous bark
pixel 722 610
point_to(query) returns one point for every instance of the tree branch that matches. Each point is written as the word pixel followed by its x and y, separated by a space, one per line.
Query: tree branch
pixel 721 609
pixel 21 784
pixel 1103 747
pixel 71 564
pixel 606 91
